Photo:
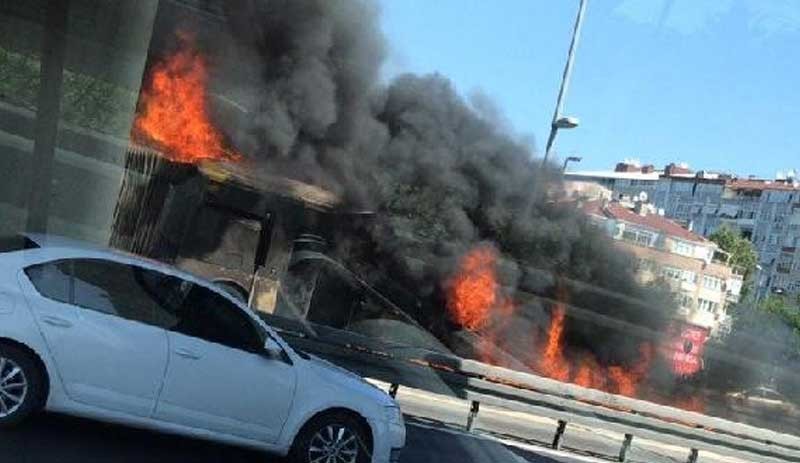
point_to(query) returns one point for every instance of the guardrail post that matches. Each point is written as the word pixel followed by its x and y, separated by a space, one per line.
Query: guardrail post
pixel 562 426
pixel 693 456
pixel 473 413
pixel 393 390
pixel 626 445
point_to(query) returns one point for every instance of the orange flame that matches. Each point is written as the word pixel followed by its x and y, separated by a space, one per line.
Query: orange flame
pixel 473 291
pixel 473 296
pixel 588 372
pixel 552 362
pixel 173 114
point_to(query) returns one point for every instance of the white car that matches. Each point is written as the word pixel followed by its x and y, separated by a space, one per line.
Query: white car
pixel 100 334
pixel 761 399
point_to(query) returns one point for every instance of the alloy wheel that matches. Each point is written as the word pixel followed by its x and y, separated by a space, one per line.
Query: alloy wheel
pixel 334 444
pixel 13 387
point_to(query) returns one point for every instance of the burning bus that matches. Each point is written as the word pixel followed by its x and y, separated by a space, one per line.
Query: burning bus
pixel 261 237
pixel 188 199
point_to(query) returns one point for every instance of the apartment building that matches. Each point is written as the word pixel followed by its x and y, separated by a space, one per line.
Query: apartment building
pixel 627 180
pixel 767 212
pixel 665 249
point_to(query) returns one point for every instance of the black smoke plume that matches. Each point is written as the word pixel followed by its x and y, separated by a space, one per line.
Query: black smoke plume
pixel 439 171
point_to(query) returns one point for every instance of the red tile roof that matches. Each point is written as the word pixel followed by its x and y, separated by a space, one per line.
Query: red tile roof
pixel 760 185
pixel 652 221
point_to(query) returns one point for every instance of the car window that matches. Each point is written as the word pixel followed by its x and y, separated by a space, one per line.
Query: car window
pixel 210 316
pixel 51 280
pixel 127 291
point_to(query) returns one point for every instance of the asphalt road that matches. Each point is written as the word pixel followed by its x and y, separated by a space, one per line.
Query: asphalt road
pixel 52 438
pixel 435 434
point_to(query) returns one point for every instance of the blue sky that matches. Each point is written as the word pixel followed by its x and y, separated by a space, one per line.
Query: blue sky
pixel 715 83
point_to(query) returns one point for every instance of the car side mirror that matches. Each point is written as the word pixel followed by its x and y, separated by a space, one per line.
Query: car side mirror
pixel 272 349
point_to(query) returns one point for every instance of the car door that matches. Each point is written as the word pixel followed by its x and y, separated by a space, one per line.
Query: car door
pixel 218 378
pixel 100 319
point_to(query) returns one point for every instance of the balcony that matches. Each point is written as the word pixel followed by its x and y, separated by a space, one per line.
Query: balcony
pixel 784 268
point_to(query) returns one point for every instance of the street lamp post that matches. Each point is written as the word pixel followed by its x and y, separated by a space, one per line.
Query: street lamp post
pixel 568 160
pixel 559 121
pixel 757 284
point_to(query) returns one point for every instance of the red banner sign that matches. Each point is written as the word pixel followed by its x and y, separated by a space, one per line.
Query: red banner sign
pixel 684 349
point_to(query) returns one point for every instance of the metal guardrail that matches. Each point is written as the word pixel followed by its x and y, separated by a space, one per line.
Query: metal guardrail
pixel 480 383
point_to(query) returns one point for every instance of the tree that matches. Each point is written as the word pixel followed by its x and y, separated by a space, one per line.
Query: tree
pixel 742 254
pixel 784 308
pixel 761 348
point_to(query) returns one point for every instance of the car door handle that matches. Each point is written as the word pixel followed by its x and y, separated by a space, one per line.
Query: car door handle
pixel 185 353
pixel 57 321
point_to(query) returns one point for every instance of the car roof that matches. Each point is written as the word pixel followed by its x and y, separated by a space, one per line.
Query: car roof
pixel 47 241
pixel 71 248
pixel 765 389
pixel 44 240
pixel 56 242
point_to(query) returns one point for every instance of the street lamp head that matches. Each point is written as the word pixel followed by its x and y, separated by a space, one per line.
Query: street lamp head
pixel 566 122
pixel 569 159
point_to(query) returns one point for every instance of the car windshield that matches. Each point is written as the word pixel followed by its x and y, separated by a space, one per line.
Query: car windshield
pixel 561 229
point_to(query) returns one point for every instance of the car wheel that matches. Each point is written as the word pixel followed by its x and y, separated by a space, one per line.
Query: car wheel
pixel 21 385
pixel 331 438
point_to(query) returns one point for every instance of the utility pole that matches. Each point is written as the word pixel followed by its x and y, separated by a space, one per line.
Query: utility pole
pixel 47 114
pixel 560 122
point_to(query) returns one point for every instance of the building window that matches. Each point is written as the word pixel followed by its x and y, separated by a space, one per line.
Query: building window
pixel 682 248
pixel 707 306
pixel 639 237
pixel 686 301
pixel 784 264
pixel 677 274
pixel 645 265
pixel 672 273
pixel 712 283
